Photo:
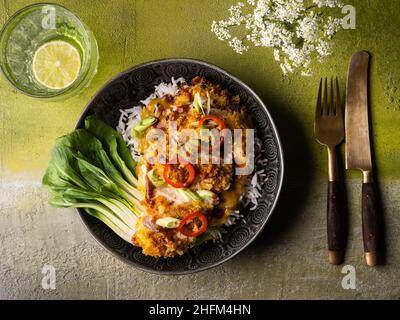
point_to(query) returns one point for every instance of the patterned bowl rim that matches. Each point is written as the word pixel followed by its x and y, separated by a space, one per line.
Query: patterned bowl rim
pixel 82 214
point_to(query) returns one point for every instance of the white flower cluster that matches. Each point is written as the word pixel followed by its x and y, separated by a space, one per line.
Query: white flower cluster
pixel 297 30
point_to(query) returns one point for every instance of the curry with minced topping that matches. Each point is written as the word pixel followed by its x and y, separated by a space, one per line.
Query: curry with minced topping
pixel 185 200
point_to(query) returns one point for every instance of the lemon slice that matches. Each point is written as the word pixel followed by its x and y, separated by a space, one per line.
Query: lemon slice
pixel 56 64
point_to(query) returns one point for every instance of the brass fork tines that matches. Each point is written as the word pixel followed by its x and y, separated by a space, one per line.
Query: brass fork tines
pixel 329 126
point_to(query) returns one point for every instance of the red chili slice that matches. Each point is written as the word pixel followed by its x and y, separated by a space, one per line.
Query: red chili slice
pixel 190 227
pixel 220 125
pixel 191 173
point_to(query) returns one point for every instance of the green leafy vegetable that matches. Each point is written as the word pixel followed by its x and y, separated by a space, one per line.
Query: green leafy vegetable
pixel 115 146
pixel 88 170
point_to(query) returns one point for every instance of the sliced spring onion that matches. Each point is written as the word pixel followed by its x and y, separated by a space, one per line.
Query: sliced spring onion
pixel 168 222
pixel 189 195
pixel 156 180
pixel 208 103
pixel 198 103
pixel 142 125
pixel 212 233
pixel 208 196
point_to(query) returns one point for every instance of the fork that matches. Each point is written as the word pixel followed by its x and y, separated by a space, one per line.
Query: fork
pixel 329 131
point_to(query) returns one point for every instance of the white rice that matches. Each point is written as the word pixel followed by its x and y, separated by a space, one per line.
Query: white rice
pixel 254 185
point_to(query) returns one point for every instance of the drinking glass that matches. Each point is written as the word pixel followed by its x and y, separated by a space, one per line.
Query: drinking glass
pixel 32 27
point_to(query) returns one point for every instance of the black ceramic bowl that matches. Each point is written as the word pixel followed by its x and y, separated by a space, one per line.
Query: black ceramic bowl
pixel 135 84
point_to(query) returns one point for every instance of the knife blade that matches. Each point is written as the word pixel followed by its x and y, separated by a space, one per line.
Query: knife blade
pixel 358 149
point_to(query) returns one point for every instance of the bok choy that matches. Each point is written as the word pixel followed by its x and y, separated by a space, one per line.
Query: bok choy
pixel 92 169
pixel 115 146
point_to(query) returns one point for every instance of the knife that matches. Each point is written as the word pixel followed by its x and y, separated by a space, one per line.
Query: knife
pixel 358 149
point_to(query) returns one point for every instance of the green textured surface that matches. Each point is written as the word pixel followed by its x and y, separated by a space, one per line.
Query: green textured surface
pixel 130 32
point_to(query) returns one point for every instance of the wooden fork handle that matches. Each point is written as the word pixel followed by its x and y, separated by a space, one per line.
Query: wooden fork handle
pixel 335 227
pixel 370 222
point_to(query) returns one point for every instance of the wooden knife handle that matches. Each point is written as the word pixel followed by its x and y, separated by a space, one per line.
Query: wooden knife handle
pixel 370 222
pixel 335 227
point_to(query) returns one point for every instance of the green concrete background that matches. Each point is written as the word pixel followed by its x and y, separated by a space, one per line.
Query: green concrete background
pixel 289 258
